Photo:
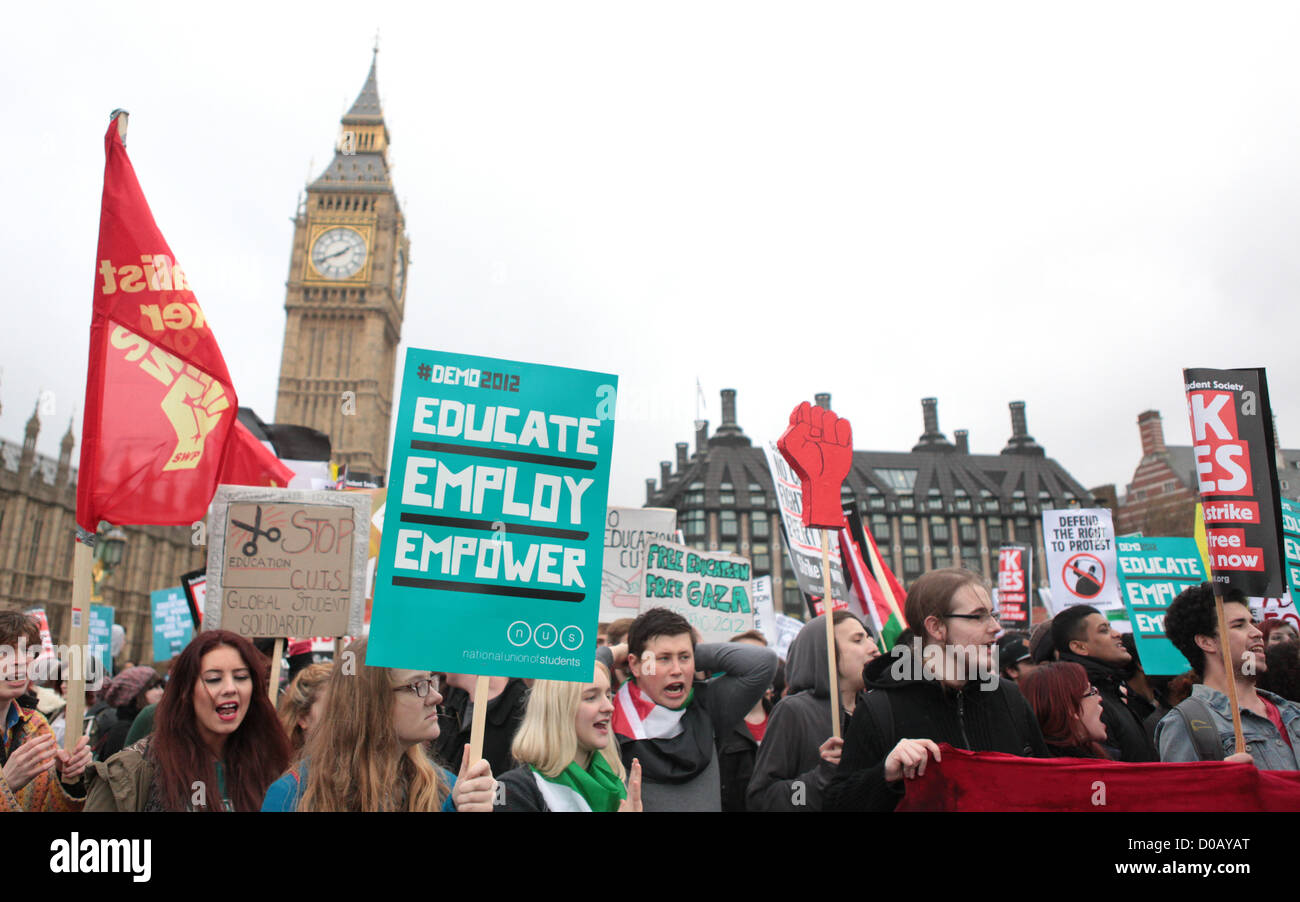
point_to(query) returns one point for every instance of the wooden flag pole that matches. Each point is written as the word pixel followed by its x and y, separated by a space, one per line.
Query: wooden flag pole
pixel 273 688
pixel 480 719
pixel 79 639
pixel 828 611
pixel 1231 671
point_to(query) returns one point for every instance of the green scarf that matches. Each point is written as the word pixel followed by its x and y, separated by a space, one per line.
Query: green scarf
pixel 598 784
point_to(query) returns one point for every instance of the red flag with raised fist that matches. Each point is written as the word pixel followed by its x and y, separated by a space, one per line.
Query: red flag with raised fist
pixel 159 400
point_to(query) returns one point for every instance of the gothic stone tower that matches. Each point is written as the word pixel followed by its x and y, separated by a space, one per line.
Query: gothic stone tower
pixel 347 276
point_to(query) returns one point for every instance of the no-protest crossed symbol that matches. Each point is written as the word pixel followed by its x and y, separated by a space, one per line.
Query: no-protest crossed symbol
pixel 272 534
pixel 1084 575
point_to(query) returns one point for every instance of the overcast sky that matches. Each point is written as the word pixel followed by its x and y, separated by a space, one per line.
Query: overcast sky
pixel 1064 204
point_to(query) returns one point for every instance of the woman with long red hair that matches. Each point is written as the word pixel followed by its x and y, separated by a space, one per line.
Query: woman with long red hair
pixel 1068 709
pixel 217 743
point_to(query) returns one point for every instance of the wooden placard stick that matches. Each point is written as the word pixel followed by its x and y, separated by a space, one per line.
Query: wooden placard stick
pixel 79 639
pixel 828 606
pixel 481 692
pixel 1230 669
pixel 273 688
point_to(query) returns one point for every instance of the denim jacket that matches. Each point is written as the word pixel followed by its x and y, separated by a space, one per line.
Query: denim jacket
pixel 1263 741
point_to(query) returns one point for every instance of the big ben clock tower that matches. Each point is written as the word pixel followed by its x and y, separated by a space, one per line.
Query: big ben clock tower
pixel 347 275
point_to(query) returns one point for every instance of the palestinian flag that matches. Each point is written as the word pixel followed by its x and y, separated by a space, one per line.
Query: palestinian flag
pixel 875 598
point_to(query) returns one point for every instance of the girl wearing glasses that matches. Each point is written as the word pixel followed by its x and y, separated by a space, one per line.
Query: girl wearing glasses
pixel 216 743
pixel 1068 709
pixel 939 683
pixel 368 752
pixel 570 761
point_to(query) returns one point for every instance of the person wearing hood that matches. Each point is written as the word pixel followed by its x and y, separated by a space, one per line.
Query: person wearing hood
pixel 928 691
pixel 1082 635
pixel 798 756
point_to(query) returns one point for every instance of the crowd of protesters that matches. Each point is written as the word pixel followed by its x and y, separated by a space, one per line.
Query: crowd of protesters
pixel 668 723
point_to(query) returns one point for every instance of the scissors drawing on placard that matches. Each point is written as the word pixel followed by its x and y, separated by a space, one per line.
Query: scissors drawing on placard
pixel 272 534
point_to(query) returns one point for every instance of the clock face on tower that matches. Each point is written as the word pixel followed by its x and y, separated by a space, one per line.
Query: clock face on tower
pixel 339 253
pixel 400 275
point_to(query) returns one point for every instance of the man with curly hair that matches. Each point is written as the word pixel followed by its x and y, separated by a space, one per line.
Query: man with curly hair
pixel 1270 723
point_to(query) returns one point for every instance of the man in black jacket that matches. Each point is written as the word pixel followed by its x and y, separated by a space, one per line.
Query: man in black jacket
pixel 507 700
pixel 1082 635
pixel 924 694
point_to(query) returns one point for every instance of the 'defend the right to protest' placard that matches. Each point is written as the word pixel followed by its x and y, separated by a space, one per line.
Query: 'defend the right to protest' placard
pixel 1232 443
pixel 494 524
pixel 1081 568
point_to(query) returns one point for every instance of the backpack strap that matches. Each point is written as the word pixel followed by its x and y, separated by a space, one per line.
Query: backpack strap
pixel 1199 720
pixel 882 714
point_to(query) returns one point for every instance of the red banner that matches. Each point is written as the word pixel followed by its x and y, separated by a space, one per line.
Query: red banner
pixel 991 781
pixel 159 399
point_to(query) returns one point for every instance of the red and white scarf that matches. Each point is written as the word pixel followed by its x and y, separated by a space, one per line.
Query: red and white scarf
pixel 636 716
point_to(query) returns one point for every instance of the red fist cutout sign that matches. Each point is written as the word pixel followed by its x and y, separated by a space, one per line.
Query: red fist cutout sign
pixel 818 446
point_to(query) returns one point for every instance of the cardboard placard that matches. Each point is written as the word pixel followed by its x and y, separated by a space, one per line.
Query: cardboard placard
pixel 286 562
pixel 494 523
pixel 1236 473
pixel 764 609
pixel 1081 563
pixel 802 543
pixel 101 635
pixel 1015 567
pixel 1153 570
pixel 709 588
pixel 628 530
pixel 172 622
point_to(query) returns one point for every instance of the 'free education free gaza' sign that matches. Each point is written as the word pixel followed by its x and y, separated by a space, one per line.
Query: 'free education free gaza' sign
pixel 494 530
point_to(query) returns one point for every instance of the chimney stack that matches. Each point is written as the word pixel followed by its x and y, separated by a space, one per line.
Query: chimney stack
pixel 728 408
pixel 701 438
pixel 649 491
pixel 932 439
pixel 665 473
pixel 963 443
pixel 1021 442
pixel 823 400
pixel 682 456
pixel 1152 431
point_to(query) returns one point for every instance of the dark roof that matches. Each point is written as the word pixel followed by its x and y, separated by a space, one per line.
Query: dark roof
pixel 365 109
pixel 355 172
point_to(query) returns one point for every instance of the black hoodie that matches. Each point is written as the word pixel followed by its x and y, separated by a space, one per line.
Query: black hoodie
pixel 1122 710
pixel 790 774
pixel 992 720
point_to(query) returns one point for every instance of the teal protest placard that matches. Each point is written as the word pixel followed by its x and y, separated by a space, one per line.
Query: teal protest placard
pixel 493 539
pixel 173 625
pixel 100 637
pixel 1152 572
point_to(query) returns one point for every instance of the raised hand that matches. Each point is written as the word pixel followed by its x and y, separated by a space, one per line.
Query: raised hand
pixel 818 445
pixel 633 800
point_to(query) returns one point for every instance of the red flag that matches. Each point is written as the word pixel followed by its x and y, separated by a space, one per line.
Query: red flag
pixel 991 781
pixel 248 462
pixel 159 399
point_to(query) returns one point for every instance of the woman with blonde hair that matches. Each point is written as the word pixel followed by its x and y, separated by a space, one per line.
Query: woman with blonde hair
pixel 368 752
pixel 569 759
pixel 303 704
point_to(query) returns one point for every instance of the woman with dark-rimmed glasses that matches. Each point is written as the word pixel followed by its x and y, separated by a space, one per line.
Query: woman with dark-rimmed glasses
pixel 369 750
